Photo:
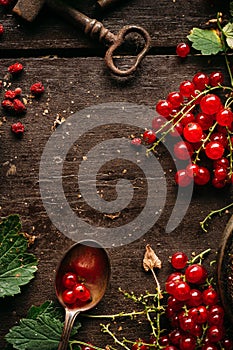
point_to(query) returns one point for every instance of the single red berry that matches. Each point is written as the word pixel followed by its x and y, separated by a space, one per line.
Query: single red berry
pixel 196 273
pixel 181 291
pixel 224 117
pixel 81 292
pixel 193 132
pixel 37 89
pixel 183 150
pixel 149 136
pixel 10 94
pixel 182 50
pixel 209 346
pixel 175 276
pixel 87 347
pixel 164 108
pixel 214 150
pixel 19 106
pixel 187 118
pixel 218 183
pixel 214 334
pixel 227 344
pixel 219 137
pixel 199 314
pixel 187 88
pixel 216 78
pixel 195 298
pixel 136 141
pixel 210 104
pixel 220 173
pixel 1 29
pixel 8 105
pixel 15 68
pixel 68 297
pixel 158 122
pixel 170 347
pixel 164 340
pixel 187 342
pixel 202 176
pixel 204 120
pixel 192 170
pixel 17 128
pixel 179 260
pixel 182 179
pixel 175 336
pixel 186 322
pixel 200 80
pixel 69 280
pixel 18 91
pixel 5 2
pixel 197 330
pixel 209 296
pixel 177 130
pixel 175 98
pixel 221 162
pixel 174 304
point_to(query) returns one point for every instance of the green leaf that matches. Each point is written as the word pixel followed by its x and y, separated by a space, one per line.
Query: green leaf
pixel 41 330
pixel 17 267
pixel 206 40
pixel 228 32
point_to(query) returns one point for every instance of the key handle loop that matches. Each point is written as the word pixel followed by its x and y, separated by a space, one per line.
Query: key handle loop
pixel 119 39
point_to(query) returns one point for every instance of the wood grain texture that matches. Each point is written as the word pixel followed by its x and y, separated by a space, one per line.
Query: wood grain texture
pixel 75 77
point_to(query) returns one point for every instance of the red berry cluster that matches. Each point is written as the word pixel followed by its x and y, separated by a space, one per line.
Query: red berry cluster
pixel 198 115
pixel 13 102
pixel 196 317
pixel 74 292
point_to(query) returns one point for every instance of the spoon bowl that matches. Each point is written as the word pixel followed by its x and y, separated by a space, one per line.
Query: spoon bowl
pixel 88 260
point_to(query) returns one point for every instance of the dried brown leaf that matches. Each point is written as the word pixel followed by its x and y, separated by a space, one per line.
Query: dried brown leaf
pixel 150 259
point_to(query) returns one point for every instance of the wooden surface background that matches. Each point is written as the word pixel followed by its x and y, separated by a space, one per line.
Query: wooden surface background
pixel 74 74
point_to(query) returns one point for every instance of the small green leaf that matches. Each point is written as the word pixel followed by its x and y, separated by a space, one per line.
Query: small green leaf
pixel 228 32
pixel 17 267
pixel 206 40
pixel 41 330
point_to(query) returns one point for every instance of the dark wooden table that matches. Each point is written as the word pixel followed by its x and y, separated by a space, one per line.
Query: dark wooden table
pixel 75 76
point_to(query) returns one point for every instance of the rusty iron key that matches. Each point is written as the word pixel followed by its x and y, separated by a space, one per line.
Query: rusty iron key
pixel 96 30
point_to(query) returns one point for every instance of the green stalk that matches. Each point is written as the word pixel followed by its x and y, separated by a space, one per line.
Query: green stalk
pixel 212 213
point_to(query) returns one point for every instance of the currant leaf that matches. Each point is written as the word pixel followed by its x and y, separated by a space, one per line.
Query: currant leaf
pixel 40 330
pixel 206 40
pixel 228 32
pixel 17 267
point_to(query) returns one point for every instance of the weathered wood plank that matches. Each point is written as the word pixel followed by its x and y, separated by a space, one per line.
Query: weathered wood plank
pixel 71 85
pixel 167 22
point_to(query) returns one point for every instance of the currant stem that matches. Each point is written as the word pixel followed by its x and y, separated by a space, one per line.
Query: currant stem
pixel 105 329
pixel 114 316
pixel 212 213
pixel 78 342
pixel 211 129
pixel 200 256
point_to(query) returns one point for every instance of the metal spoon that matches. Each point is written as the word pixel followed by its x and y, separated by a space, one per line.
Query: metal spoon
pixel 89 260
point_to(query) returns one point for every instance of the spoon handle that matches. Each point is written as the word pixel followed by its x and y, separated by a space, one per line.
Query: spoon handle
pixel 68 325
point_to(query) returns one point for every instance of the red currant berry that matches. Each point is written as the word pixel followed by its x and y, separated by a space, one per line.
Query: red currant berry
pixel 201 176
pixel 182 179
pixel 175 336
pixel 69 280
pixel 210 104
pixel 209 296
pixel 215 320
pixel 136 142
pixel 204 120
pixel 37 89
pixel 222 162
pixel 187 88
pixel 164 108
pixel 68 296
pixel 87 347
pixel 5 2
pixel 195 298
pixel 179 260
pixel 158 122
pixel 175 304
pixel 182 50
pixel 219 137
pixel 10 94
pixel 175 276
pixel 227 344
pixel 209 347
pixel 220 173
pixel 7 105
pixel 149 136
pixel 19 107
pixel 186 322
pixel 218 183
pixel 192 170
pixel 196 273
pixel 187 342
pixel 177 130
pixel 175 98
pixel 181 291
pixel 200 80
pixel 183 150
pixel 216 310
pixel 216 78
pixel 15 68
pixel 81 292
pixel 187 118
pixel 214 150
pixel 139 345
pixel 18 91
pixel 214 334
pixel 171 347
pixel 224 117
pixel 199 314
pixel 17 128
pixel 164 340
pixel 193 132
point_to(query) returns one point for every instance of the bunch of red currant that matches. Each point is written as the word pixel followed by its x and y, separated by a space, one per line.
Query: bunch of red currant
pixel 75 293
pixel 205 124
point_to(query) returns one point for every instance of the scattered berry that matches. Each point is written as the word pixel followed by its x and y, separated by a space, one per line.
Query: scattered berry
pixel 1 29
pixel 15 68
pixel 17 128
pixel 149 136
pixel 136 141
pixel 37 89
pixel 182 50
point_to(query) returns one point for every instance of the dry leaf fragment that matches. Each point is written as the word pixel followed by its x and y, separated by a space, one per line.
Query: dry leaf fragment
pixel 151 260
